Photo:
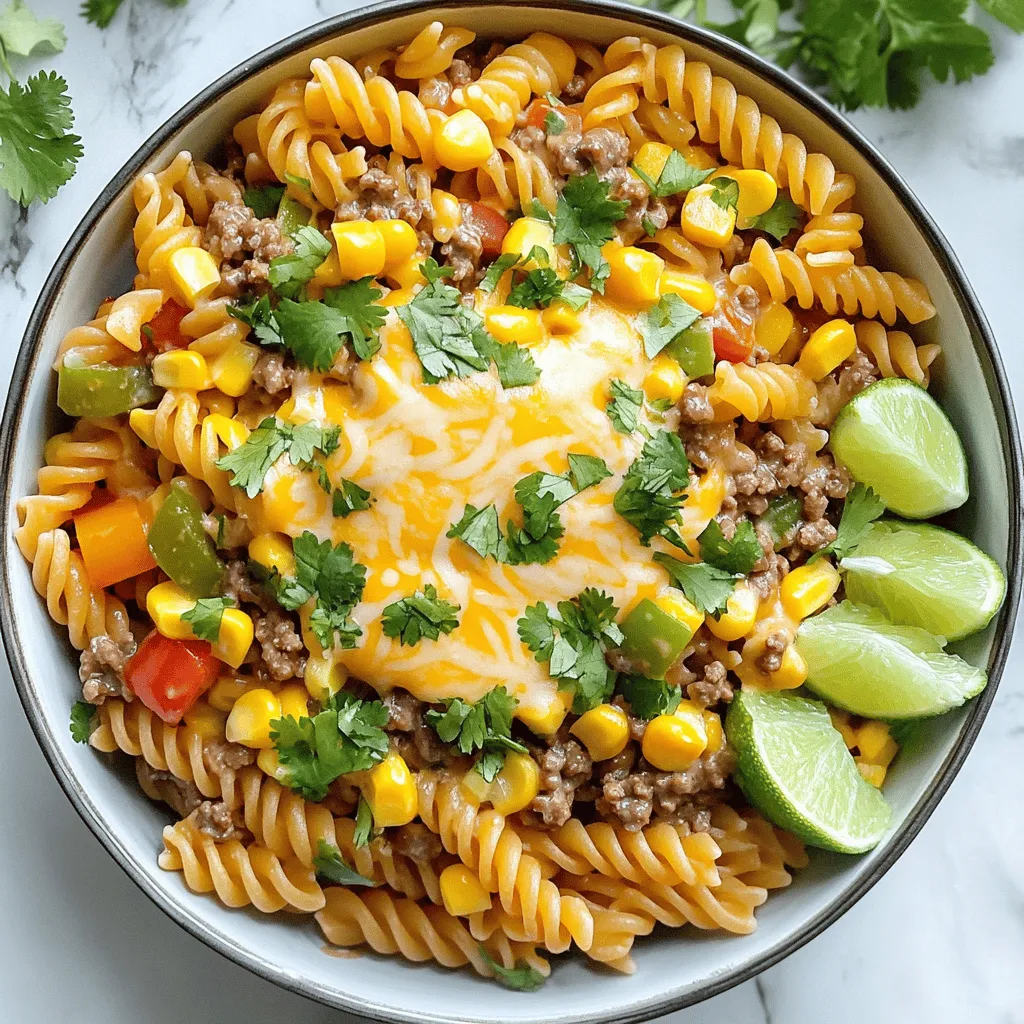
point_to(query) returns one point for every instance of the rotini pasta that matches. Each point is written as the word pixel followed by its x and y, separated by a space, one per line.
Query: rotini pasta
pixel 895 354
pixel 768 391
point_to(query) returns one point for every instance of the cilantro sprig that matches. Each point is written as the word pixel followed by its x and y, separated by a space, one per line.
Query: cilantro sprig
pixel 539 285
pixel 330 865
pixel 265 200
pixel 421 615
pixel 783 216
pixel 652 491
pixel 677 176
pixel 708 587
pixel 860 509
pixel 484 725
pixel 82 715
pixel 288 275
pixel 664 322
pixel 206 615
pixel 624 406
pixel 573 640
pixel 585 219
pixel 649 698
pixel 349 498
pixel 101 12
pixel 738 555
pixel 522 978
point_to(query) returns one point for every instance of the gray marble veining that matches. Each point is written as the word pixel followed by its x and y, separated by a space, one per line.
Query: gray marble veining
pixel 939 939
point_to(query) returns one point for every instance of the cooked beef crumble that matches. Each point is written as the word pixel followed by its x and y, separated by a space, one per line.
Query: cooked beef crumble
pixel 411 736
pixel 101 670
pixel 243 245
pixel 215 819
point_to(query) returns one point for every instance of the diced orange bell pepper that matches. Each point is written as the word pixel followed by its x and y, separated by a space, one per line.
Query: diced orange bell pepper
pixel 112 538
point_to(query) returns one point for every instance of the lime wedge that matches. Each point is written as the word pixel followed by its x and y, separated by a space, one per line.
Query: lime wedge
pixel 858 660
pixel 922 575
pixel 793 766
pixel 894 437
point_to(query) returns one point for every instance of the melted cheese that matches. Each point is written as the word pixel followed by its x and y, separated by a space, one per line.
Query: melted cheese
pixel 425 451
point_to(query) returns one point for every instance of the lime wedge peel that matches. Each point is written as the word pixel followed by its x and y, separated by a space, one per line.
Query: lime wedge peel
pixel 793 765
pixel 895 438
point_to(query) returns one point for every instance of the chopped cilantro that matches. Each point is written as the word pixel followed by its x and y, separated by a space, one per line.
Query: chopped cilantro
pixel 357 300
pixel 364 830
pixel 422 615
pixel 860 509
pixel 650 228
pixel 624 407
pixel 330 865
pixel 649 698
pixel 260 317
pixel 585 219
pixel 264 201
pixel 288 275
pixel 778 221
pixel 485 725
pixel 205 617
pixel 82 714
pixel 506 261
pixel 554 123
pixel 676 176
pixel 480 529
pixel 539 287
pixel 707 587
pixel 649 497
pixel 349 498
pixel 665 321
pixel 725 192
pixel 522 978
pixel 738 555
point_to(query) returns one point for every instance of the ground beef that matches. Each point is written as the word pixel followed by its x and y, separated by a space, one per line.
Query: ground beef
pixel 435 93
pixel 604 149
pixel 712 687
pixel 101 670
pixel 411 736
pixel 227 531
pixel 342 797
pixel 215 819
pixel 465 248
pixel 564 766
pixel 576 88
pixel 694 406
pixel 282 653
pixel 414 841
pixel 380 197
pixel 765 580
pixel 271 374
pixel 460 73
pixel 181 796
pixel 223 759
pixel 774 647
pixel 243 244
pixel 242 588
pixel 838 388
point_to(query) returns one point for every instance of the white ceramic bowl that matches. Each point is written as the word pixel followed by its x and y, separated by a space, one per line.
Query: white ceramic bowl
pixel 674 968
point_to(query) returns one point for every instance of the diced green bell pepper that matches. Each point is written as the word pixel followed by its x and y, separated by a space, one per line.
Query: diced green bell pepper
pixel 103 389
pixel 653 639
pixel 181 546
pixel 781 516
pixel 292 215
pixel 694 349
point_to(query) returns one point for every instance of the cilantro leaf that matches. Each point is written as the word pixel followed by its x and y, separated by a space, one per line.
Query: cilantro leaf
pixel 205 617
pixel 82 714
pixel 860 509
pixel 506 261
pixel 707 587
pixel 349 498
pixel 536 630
pixel 485 725
pixel 479 528
pixel 100 12
pixel 585 219
pixel 37 152
pixel 738 555
pixel 778 221
pixel 264 201
pixel 1009 12
pixel 364 823
pixel 586 471
pixel 256 312
pixel 725 192
pixel 554 123
pixel 288 275
pixel 624 407
pixel 329 864
pixel 521 978
pixel 312 332
pixel 665 321
pixel 308 438
pixel 357 300
pixel 514 364
pixel 422 615
pixel 21 32
pixel 677 176
pixel 649 698
pixel 649 497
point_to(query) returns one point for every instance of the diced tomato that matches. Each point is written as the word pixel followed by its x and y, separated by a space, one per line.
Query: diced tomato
pixel 169 676
pixel 733 332
pixel 730 347
pixel 163 332
pixel 537 112
pixel 493 228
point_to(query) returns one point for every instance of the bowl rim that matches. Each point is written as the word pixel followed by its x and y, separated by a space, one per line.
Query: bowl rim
pixel 991 364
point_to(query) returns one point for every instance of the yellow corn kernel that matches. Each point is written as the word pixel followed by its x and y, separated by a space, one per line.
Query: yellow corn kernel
pixel 665 379
pixel 234 638
pixel 474 784
pixel 830 345
pixel 231 371
pixel 792 672
pixel 400 241
pixel 207 721
pixel 229 431
pixel 249 720
pixel 294 698
pixel 273 551
pixel 406 274
pixel 195 272
pixel 560 320
pixel 328 274
pixel 361 250
pixel 390 790
pixel 461 891
pixel 215 401
pixel 527 234
pixel 510 323
pixel 873 742
pixel 143 422
pixel 324 676
pixel 671 602
pixel 603 730
pixel 651 158
pixel 447 214
pixel 546 721
pixel 166 603
pixel 739 616
pixel 874 773
pixel 634 275
pixel 673 742
pixel 758 191
pixel 223 694
pixel 809 588
pixel 463 142
pixel 773 328
pixel 515 786
pixel 703 221
pixel 270 764
pixel 713 728
pixel 691 288
pixel 181 369
pixel 841 722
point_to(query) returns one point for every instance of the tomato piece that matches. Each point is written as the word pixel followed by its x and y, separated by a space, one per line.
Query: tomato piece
pixel 169 676
pixel 730 347
pixel 733 332
pixel 536 113
pixel 164 330
pixel 493 228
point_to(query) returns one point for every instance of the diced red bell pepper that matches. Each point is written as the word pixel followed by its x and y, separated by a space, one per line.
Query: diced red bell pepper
pixel 733 332
pixel 169 676
pixel 163 332
pixel 493 228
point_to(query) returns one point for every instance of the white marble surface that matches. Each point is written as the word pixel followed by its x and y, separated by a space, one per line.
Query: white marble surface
pixel 940 938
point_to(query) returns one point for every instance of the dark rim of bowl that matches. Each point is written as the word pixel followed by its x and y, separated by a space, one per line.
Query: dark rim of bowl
pixel 991 365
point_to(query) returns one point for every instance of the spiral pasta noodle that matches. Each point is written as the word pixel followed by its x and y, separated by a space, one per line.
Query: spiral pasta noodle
pixel 768 391
pixel 431 51
pixel 895 354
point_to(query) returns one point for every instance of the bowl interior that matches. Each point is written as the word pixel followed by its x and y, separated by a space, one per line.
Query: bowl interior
pixel 673 968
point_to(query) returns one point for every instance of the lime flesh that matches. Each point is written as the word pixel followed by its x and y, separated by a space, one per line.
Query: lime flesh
pixel 894 437
pixel 858 660
pixel 922 575
pixel 793 765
